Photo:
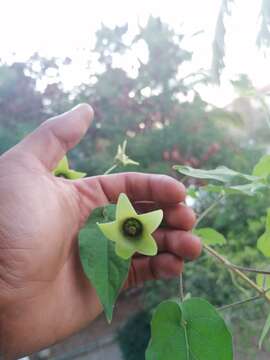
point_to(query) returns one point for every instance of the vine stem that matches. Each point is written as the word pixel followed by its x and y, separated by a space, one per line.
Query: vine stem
pixel 239 303
pixel 202 216
pixel 236 271
pixel 233 268
pixel 114 166
pixel 237 285
pixel 208 210
pixel 107 172
pixel 181 288
pixel 251 270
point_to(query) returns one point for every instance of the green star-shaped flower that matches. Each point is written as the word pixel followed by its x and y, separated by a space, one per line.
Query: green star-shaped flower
pixel 131 231
pixel 63 170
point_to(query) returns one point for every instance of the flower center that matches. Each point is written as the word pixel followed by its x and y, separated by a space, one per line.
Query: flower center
pixel 132 227
pixel 62 175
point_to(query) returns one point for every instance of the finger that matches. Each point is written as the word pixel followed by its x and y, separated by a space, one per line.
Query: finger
pixel 138 187
pixel 180 216
pixel 162 266
pixel 179 243
pixel 177 216
pixel 50 141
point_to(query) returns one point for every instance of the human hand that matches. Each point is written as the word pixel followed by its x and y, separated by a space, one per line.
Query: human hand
pixel 44 294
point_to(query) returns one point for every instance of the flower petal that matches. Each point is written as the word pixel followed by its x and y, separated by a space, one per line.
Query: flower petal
pixel 124 208
pixel 62 166
pixel 111 230
pixel 124 249
pixel 73 175
pixel 147 246
pixel 151 220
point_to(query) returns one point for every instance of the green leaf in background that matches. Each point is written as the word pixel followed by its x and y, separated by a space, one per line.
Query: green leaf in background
pixel 263 243
pixel 263 281
pixel 106 271
pixel 210 236
pixel 221 173
pixel 265 331
pixel 243 86
pixel 250 189
pixel 223 116
pixel 219 41
pixel 192 192
pixel 263 38
pixel 193 330
pixel 262 168
pixel 215 189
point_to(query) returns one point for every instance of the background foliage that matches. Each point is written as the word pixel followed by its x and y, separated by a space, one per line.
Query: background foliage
pixel 166 122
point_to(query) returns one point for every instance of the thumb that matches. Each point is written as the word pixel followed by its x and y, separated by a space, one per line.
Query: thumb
pixel 50 141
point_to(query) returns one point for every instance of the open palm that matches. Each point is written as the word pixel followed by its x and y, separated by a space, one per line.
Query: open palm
pixel 44 295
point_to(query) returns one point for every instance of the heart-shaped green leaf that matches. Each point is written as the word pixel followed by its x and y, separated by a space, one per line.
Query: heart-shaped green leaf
pixel 168 337
pixel 210 236
pixel 193 330
pixel 106 271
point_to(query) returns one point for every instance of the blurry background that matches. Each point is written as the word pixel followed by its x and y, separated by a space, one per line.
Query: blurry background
pixel 185 82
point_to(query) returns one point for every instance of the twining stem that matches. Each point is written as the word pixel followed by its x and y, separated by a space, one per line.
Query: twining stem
pixel 181 288
pixel 236 271
pixel 239 303
pixel 203 215
pixel 208 210
pixel 237 285
pixel 114 166
pixel 251 270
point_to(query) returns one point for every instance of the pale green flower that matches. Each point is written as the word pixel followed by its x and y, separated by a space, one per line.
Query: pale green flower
pixel 130 231
pixel 63 170
pixel 122 157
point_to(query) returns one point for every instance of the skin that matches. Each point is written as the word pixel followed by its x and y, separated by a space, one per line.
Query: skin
pixel 44 294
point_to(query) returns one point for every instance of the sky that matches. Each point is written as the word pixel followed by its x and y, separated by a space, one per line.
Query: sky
pixel 67 28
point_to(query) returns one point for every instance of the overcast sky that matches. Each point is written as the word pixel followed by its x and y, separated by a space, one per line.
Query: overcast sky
pixel 64 28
